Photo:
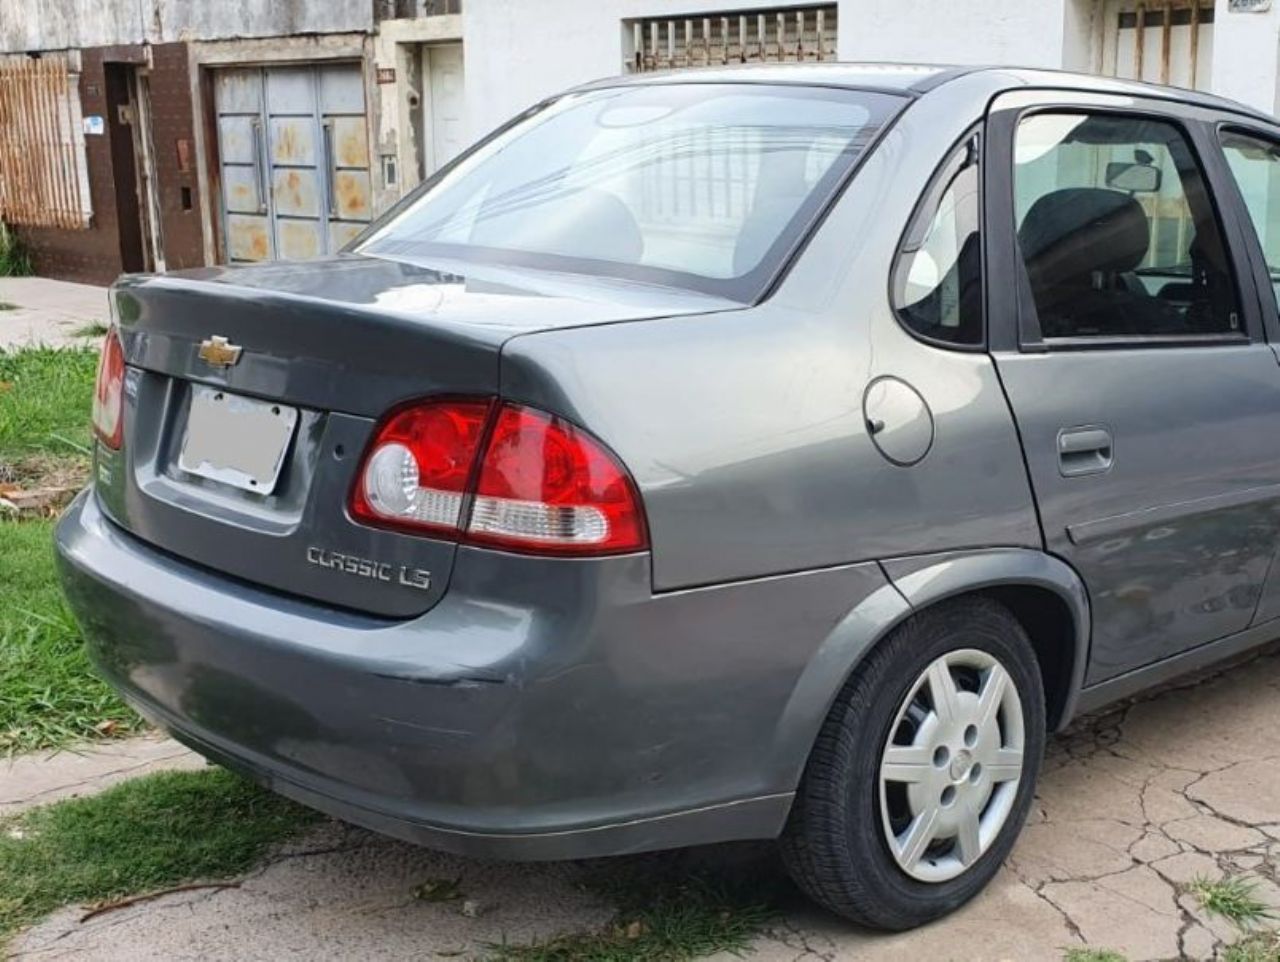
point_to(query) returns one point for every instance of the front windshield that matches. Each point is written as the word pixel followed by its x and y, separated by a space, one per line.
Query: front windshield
pixel 694 185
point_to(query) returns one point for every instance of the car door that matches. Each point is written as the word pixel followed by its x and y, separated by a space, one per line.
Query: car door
pixel 1252 155
pixel 1129 342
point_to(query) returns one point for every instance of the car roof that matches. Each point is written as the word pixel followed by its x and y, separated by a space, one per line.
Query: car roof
pixel 920 79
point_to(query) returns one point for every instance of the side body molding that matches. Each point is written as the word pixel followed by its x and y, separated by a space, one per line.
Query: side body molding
pixel 928 579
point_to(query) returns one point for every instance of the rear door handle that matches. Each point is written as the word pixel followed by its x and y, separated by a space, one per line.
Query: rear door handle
pixel 1086 450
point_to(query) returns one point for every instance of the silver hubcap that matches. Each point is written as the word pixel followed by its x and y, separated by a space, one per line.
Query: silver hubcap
pixel 949 773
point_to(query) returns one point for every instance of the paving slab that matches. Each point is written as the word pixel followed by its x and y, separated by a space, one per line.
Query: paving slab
pixel 1135 804
pixel 39 310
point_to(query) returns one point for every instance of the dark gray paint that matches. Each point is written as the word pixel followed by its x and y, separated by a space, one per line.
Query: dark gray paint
pixel 1156 467
pixel 537 697
pixel 1175 538
pixel 540 708
pixel 350 334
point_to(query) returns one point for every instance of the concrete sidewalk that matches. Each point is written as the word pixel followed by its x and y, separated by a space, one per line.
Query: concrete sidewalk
pixel 38 310
pixel 1133 805
pixel 45 777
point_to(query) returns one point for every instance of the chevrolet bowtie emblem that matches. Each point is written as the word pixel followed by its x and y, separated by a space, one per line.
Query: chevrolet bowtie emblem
pixel 219 352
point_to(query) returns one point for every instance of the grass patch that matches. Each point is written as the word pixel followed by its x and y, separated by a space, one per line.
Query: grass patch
pixel 15 259
pixel 6 306
pixel 92 329
pixel 49 695
pixel 140 836
pixel 1257 948
pixel 1232 898
pixel 1093 955
pixel 45 399
pixel 668 916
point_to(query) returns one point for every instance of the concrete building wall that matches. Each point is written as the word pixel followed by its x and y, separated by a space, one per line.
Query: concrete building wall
pixel 993 31
pixel 210 20
pixel 536 49
pixel 398 107
pixel 546 46
pixel 68 24
pixel 1245 55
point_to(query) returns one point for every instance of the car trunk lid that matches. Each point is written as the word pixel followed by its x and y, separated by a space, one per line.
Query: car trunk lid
pixel 332 346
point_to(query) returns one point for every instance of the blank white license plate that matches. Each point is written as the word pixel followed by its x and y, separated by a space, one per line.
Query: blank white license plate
pixel 236 440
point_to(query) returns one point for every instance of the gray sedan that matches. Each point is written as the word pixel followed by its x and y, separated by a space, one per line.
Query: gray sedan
pixel 745 453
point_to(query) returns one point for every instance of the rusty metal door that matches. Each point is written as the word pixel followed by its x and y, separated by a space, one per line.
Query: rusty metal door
pixel 294 155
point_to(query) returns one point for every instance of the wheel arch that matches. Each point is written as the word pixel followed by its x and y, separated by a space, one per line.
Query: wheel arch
pixel 1039 589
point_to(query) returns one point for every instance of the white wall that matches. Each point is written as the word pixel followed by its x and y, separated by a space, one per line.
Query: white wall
pixel 1245 50
pixel 548 45
pixel 1022 32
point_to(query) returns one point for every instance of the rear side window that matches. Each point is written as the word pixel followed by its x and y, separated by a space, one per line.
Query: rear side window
pixel 937 286
pixel 1256 166
pixel 1117 230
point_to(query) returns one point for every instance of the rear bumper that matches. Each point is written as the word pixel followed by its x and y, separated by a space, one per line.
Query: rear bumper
pixel 541 710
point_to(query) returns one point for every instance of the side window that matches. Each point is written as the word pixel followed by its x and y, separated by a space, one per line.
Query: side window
pixel 937 288
pixel 1117 230
pixel 1256 166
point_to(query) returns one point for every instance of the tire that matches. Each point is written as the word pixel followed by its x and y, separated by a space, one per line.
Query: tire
pixel 837 843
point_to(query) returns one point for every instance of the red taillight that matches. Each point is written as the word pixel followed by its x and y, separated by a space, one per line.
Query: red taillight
pixel 541 484
pixel 108 393
pixel 546 485
pixel 416 473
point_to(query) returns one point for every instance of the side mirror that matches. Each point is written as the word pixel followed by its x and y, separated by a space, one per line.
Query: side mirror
pixel 1134 178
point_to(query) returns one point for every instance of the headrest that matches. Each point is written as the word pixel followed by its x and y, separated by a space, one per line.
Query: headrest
pixel 1070 233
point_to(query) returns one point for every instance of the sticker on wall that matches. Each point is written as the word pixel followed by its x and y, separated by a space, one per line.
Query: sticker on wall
pixel 1248 6
pixel 94 125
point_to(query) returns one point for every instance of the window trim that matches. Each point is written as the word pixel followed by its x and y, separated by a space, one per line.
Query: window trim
pixel 1265 295
pixel 1023 333
pixel 926 206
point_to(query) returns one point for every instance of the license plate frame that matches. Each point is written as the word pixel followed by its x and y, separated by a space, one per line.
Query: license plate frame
pixel 236 440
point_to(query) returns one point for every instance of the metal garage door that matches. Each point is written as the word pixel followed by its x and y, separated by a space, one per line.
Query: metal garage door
pixel 294 156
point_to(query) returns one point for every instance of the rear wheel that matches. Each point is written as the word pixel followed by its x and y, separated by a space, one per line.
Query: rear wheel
pixel 924 769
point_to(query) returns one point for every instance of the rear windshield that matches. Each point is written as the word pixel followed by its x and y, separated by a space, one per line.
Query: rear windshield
pixel 700 186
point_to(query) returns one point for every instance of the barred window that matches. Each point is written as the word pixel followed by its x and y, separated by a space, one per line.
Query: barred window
pixel 794 34
pixel 44 181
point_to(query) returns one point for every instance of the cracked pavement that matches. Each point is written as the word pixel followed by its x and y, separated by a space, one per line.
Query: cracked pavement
pixel 1133 805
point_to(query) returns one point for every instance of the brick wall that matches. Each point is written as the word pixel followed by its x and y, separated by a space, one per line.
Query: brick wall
pixel 93 255
pixel 173 134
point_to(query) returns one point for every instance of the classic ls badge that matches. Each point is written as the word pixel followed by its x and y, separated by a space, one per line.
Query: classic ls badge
pixel 364 568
